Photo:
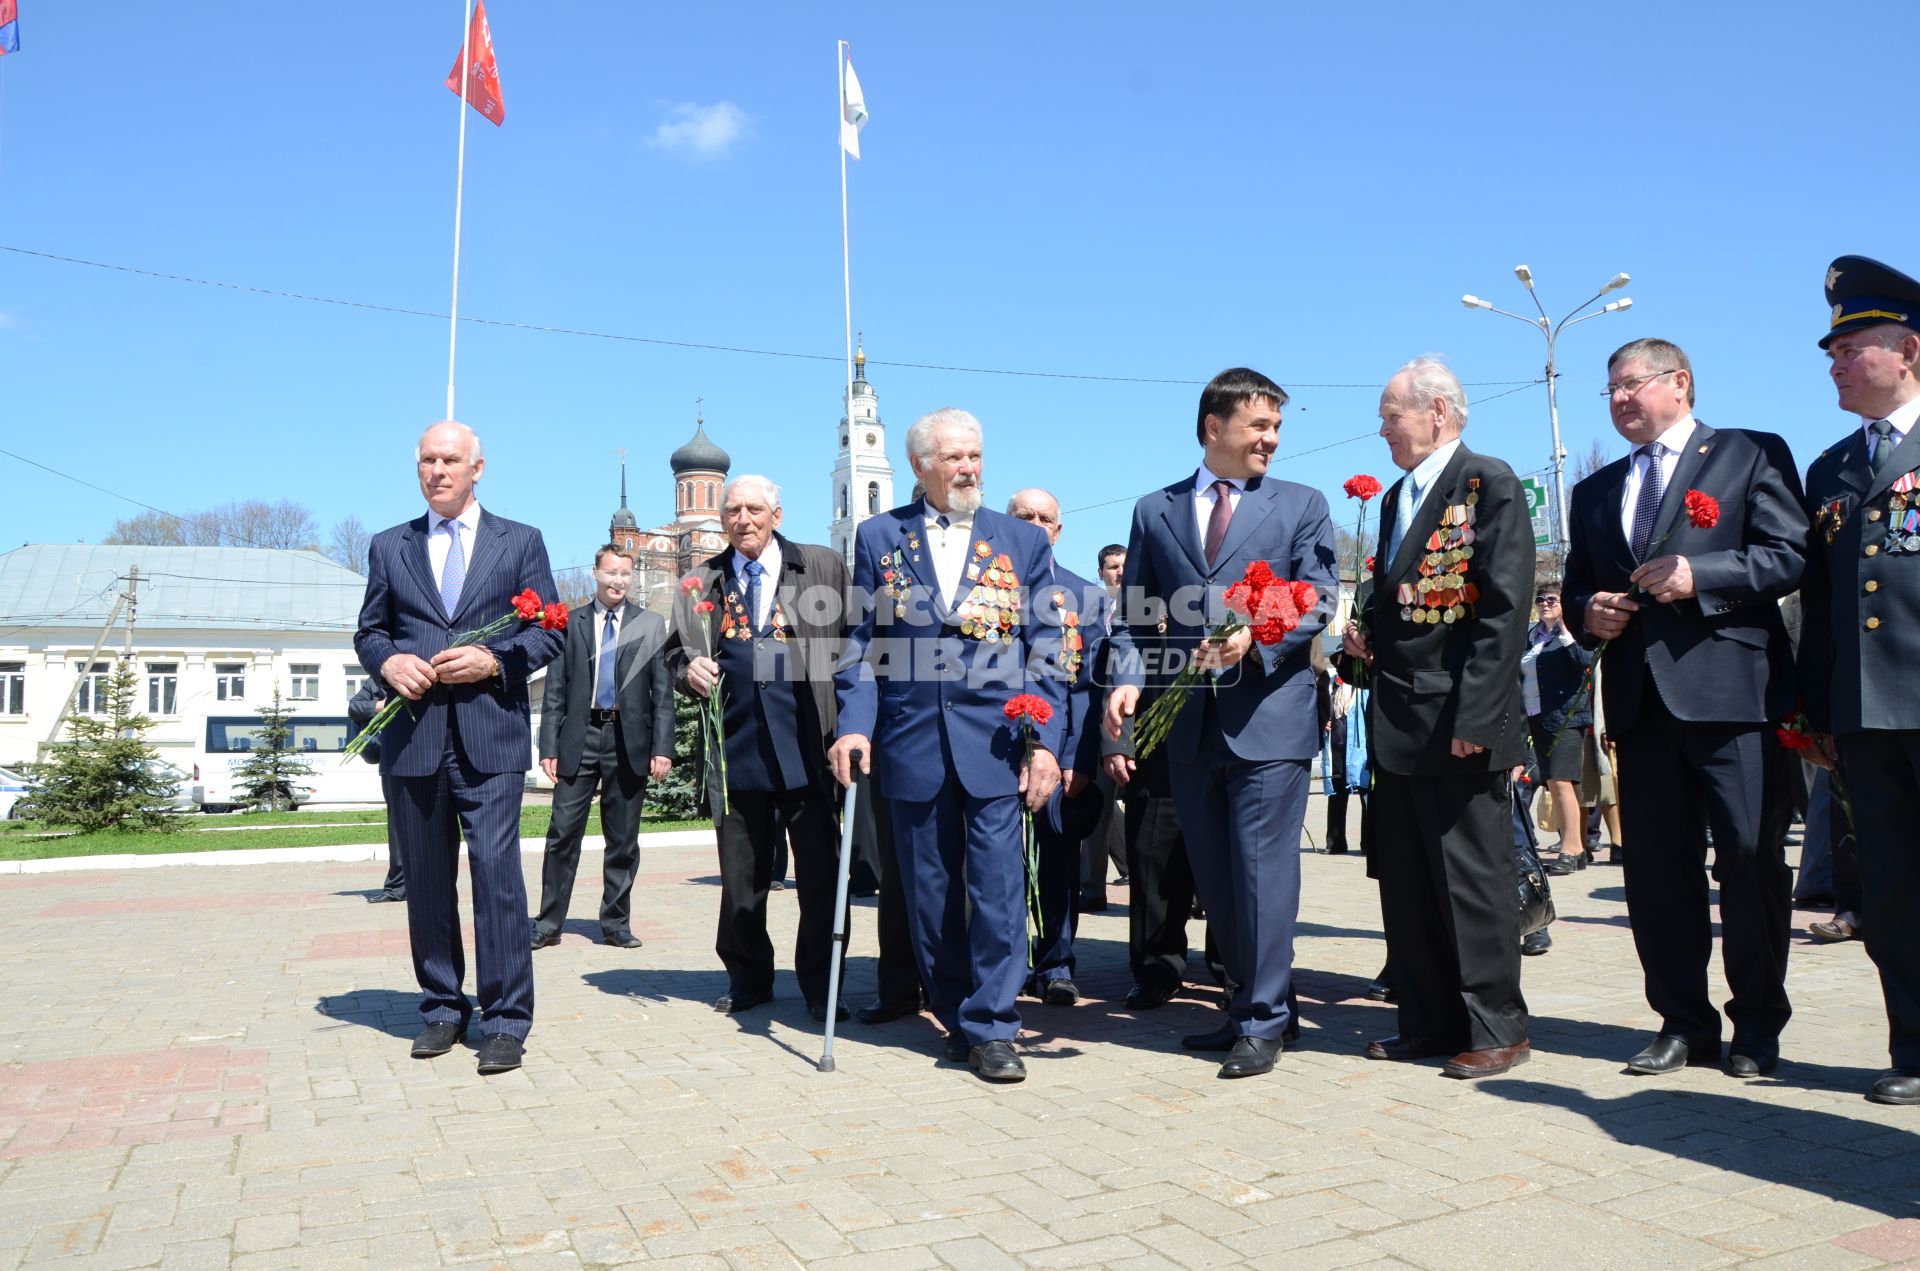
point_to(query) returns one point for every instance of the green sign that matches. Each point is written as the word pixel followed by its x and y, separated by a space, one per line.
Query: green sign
pixel 1537 510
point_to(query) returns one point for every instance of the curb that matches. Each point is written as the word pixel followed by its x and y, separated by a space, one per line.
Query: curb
pixel 344 853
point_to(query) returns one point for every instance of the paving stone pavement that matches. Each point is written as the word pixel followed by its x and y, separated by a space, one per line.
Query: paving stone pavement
pixel 207 1067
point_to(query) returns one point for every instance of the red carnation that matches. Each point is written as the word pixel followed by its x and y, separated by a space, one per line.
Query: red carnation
pixel 1239 599
pixel 689 584
pixel 1305 596
pixel 554 617
pixel 1026 708
pixel 1369 564
pixel 1793 738
pixel 528 605
pixel 1260 574
pixel 1703 510
pixel 705 606
pixel 1362 487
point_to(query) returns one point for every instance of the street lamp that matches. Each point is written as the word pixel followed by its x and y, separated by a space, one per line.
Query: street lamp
pixel 1551 330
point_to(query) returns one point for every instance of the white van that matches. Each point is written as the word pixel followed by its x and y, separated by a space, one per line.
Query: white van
pixel 319 739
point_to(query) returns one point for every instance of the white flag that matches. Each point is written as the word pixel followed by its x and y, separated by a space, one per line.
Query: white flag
pixel 853 112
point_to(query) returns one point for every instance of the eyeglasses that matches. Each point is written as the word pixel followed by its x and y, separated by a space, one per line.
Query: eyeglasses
pixel 1544 601
pixel 1634 385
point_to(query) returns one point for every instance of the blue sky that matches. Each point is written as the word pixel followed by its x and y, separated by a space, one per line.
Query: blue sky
pixel 1122 189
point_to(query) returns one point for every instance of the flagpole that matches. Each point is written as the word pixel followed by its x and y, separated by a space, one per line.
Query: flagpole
pixel 459 188
pixel 846 268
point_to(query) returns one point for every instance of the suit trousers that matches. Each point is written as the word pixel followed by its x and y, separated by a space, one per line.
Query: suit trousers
pixel 897 974
pixel 1059 885
pixel 1160 896
pixel 623 793
pixel 1337 843
pixel 1242 822
pixel 1442 850
pixel 1108 842
pixel 1677 780
pixel 756 824
pixel 428 818
pixel 964 878
pixel 1881 769
pixel 396 880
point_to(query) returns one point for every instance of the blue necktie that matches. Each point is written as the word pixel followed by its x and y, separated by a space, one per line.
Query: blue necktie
pixel 603 682
pixel 754 570
pixel 1402 514
pixel 1646 509
pixel 454 574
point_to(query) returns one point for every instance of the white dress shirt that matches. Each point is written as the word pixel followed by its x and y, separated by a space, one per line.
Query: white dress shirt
pixel 948 547
pixel 1413 492
pixel 1672 443
pixel 770 563
pixel 1204 499
pixel 440 539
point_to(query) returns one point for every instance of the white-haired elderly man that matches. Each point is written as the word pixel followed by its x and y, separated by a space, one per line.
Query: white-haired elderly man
pixel 1442 637
pixel 764 620
pixel 951 630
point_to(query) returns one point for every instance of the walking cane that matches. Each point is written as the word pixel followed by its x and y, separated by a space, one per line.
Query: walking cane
pixel 840 932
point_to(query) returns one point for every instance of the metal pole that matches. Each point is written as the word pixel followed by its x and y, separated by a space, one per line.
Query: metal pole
pixel 106 629
pixel 840 932
pixel 1560 519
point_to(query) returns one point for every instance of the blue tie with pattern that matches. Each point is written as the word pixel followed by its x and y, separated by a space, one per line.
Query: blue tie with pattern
pixel 1646 509
pixel 454 574
pixel 754 570
pixel 603 681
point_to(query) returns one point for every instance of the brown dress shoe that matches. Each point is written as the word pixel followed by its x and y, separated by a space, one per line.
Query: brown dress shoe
pixel 1405 1049
pixel 1469 1064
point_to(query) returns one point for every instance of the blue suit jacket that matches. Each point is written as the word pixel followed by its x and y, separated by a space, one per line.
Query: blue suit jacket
pixel 1266 711
pixel 1089 608
pixel 402 614
pixel 930 698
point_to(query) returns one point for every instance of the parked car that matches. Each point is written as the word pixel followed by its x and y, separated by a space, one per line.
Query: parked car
pixel 13 788
pixel 183 788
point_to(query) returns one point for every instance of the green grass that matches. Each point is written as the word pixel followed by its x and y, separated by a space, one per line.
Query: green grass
pixel 269 829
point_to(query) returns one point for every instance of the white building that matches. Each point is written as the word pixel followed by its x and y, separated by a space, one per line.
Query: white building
pixel 216 630
pixel 862 477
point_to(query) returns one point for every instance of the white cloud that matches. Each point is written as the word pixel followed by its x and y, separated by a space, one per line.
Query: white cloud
pixel 701 132
pixel 13 322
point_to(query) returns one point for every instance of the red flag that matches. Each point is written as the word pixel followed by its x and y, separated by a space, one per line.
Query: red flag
pixel 483 74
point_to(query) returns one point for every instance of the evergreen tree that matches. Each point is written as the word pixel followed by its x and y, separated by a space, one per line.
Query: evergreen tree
pixel 266 780
pixel 105 776
pixel 681 795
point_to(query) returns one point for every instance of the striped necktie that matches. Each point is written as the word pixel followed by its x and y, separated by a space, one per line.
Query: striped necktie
pixel 454 574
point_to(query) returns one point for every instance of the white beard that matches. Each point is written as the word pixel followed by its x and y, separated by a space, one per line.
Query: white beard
pixel 965 500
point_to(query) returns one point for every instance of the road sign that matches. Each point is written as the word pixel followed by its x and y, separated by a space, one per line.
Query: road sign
pixel 1538 510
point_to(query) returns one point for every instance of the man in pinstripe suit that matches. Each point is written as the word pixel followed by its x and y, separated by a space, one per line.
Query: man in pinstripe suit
pixel 461 752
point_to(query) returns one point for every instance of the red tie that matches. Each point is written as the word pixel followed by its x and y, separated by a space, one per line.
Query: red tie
pixel 1217 523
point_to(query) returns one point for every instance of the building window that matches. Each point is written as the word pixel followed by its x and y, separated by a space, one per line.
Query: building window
pixel 13 688
pixel 93 699
pixel 843 502
pixel 873 498
pixel 304 681
pixel 230 681
pixel 356 678
pixel 163 688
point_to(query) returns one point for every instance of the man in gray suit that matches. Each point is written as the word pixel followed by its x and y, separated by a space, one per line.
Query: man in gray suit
pixel 606 726
pixel 1241 746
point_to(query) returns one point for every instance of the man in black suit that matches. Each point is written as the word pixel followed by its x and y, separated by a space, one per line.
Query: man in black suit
pixel 1861 613
pixel 765 620
pixel 606 727
pixel 1108 840
pixel 1696 675
pixel 361 708
pixel 1441 635
pixel 461 753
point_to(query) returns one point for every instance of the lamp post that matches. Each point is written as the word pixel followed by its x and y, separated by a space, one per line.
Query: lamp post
pixel 1552 330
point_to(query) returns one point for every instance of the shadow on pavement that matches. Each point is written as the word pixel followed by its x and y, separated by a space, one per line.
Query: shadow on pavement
pixel 391 1011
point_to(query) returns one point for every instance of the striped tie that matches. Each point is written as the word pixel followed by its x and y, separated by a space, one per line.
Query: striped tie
pixel 454 575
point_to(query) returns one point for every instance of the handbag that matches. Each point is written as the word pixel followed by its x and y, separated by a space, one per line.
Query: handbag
pixel 1534 893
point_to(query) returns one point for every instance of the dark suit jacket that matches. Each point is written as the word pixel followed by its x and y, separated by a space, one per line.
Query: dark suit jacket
pixel 812 592
pixel 1434 681
pixel 362 707
pixel 1080 741
pixel 1560 672
pixel 1264 714
pixel 929 696
pixel 1722 656
pixel 640 691
pixel 1857 677
pixel 402 614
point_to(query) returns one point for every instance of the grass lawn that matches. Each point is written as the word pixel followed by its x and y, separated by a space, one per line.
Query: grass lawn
pixel 19 841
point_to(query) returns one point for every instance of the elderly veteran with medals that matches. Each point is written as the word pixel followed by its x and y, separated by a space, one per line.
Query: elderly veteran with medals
pixel 1441 639
pixel 1860 626
pixel 947 637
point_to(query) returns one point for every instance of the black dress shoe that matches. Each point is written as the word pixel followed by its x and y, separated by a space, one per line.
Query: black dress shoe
pixel 437 1040
pixel 500 1053
pixel 1403 1050
pixel 1250 1057
pixel 1896 1085
pixel 819 1012
pixel 620 939
pixel 1535 943
pixel 1752 1056
pixel 887 1012
pixel 1565 864
pixel 955 1049
pixel 1142 998
pixel 1221 1038
pixel 734 1003
pixel 542 940
pixel 1666 1054
pixel 996 1061
pixel 381 897
pixel 1060 991
pixel 1380 991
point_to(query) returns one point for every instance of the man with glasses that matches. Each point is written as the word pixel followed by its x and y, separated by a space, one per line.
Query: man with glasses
pixel 1697 672
pixel 1860 610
